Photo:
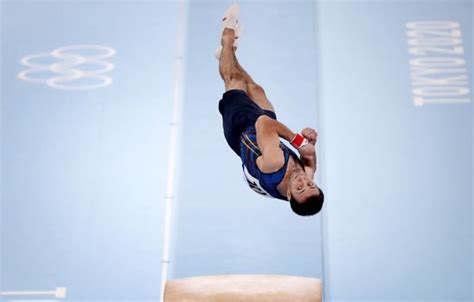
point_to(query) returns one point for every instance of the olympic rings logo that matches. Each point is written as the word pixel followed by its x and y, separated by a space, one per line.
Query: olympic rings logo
pixel 65 74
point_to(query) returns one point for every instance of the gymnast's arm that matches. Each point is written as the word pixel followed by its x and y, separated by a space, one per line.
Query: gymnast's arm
pixel 308 157
pixel 308 152
pixel 269 132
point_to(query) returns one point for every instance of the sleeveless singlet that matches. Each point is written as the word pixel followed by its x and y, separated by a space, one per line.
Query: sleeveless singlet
pixel 262 183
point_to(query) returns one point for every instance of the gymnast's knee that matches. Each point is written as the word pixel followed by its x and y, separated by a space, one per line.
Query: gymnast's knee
pixel 235 80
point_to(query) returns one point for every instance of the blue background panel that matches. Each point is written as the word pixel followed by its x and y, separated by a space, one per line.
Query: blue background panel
pixel 221 225
pixel 84 172
pixel 399 219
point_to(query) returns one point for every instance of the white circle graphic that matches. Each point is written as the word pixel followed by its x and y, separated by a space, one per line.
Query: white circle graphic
pixel 101 81
pixel 65 72
pixel 107 52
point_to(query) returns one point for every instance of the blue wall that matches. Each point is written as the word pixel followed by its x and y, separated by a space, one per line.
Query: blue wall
pixel 221 225
pixel 398 176
pixel 84 173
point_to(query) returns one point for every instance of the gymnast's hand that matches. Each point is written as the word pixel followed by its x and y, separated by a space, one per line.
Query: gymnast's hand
pixel 310 134
pixel 307 152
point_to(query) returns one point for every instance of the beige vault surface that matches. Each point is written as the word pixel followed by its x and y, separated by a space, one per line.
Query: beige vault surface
pixel 248 288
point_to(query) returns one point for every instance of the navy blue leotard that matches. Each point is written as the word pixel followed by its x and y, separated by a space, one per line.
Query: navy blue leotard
pixel 239 114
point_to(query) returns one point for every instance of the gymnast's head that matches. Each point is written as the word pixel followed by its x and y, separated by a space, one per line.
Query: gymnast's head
pixel 305 197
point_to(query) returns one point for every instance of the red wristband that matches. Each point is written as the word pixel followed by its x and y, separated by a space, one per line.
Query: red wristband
pixel 299 141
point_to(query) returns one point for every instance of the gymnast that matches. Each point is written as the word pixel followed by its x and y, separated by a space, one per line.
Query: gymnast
pixel 253 132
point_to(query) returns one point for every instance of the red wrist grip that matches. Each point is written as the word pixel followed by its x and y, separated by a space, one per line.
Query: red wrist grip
pixel 299 141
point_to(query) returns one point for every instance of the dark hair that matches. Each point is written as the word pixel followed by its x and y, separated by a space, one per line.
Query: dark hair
pixel 311 206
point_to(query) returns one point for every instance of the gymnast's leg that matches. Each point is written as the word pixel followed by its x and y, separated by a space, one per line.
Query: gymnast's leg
pixel 228 68
pixel 235 77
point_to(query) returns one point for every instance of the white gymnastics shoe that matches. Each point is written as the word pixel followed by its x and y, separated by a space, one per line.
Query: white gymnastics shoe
pixel 230 20
pixel 231 17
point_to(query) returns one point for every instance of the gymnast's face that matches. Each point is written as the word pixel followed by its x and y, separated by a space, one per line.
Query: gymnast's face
pixel 301 187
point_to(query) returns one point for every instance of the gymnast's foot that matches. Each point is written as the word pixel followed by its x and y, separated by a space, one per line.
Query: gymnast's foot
pixel 230 29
